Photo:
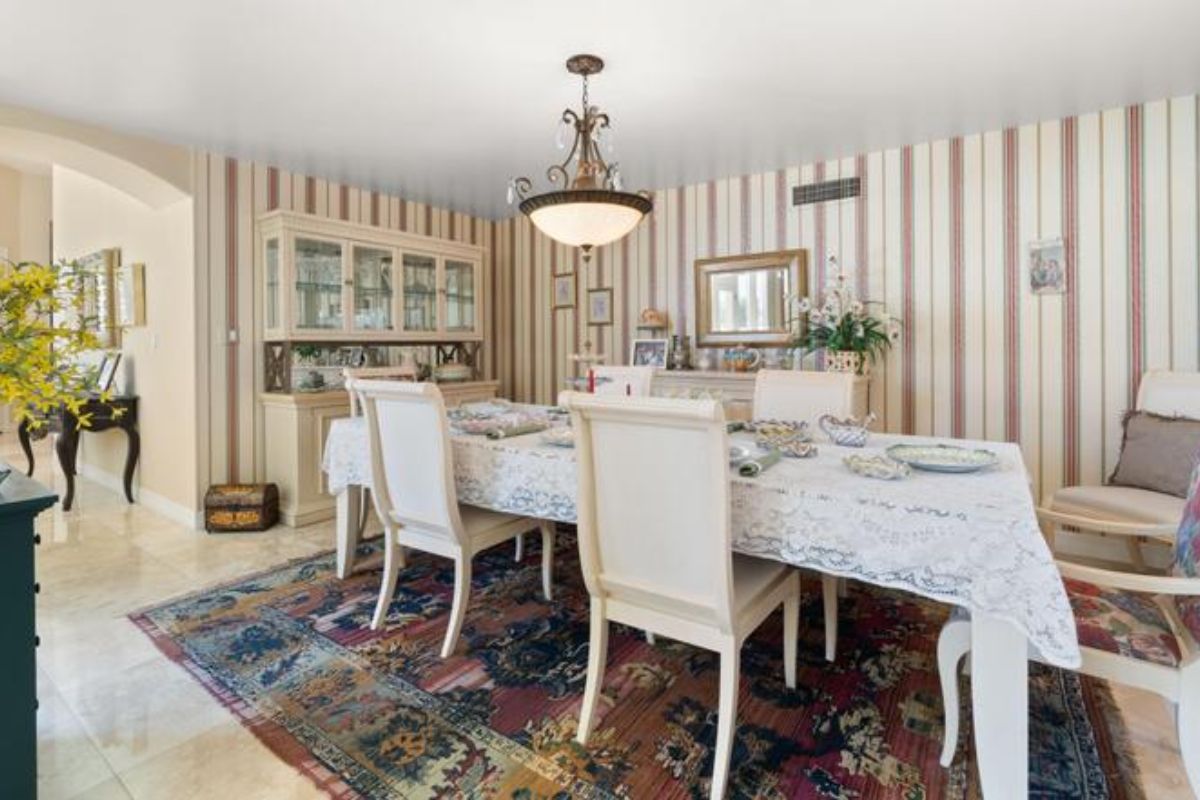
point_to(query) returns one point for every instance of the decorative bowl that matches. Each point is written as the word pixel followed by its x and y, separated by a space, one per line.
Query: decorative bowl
pixel 450 373
pixel 943 457
pixel 848 432
pixel 881 467
pixel 559 437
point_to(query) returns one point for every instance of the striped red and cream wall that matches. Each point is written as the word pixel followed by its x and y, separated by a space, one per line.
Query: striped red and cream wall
pixel 939 237
pixel 229 196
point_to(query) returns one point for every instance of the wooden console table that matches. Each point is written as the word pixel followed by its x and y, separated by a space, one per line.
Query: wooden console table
pixel 104 417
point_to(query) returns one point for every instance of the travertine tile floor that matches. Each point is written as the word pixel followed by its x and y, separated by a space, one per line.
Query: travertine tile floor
pixel 117 720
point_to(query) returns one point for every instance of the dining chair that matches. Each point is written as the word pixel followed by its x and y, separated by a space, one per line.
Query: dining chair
pixel 620 380
pixel 655 544
pixel 397 373
pixel 1112 509
pixel 805 396
pixel 412 483
pixel 1135 629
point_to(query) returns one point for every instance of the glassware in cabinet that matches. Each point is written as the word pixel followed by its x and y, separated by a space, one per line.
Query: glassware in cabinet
pixel 372 288
pixel 319 284
pixel 420 292
pixel 460 295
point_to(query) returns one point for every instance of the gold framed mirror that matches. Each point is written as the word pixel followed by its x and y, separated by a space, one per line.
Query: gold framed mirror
pixel 744 299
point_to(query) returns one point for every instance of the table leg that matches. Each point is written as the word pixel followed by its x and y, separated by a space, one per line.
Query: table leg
pixel 347 531
pixel 131 458
pixel 67 448
pixel 1000 705
pixel 23 438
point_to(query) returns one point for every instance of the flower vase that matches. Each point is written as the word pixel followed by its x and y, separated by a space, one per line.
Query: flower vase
pixel 845 361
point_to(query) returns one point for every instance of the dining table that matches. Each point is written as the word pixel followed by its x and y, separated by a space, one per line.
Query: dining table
pixel 969 540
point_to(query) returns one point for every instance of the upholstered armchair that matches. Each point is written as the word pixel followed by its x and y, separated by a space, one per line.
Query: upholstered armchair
pixel 1134 629
pixel 1135 515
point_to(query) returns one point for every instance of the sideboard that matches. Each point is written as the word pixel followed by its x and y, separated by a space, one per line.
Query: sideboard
pixel 295 427
pixel 736 389
pixel 21 500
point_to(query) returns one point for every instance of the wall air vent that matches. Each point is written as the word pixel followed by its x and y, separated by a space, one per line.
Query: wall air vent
pixel 827 190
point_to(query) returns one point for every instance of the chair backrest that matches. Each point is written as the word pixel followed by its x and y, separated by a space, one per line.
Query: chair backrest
pixel 1171 394
pixel 653 504
pixel 404 373
pixel 412 475
pixel 802 396
pixel 632 381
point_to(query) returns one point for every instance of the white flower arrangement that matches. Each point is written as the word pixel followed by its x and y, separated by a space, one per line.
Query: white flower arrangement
pixel 839 321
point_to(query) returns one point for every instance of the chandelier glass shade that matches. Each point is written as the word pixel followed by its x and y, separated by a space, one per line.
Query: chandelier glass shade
pixel 590 210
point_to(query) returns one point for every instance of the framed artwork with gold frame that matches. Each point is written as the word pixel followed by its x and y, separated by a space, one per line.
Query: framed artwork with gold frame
pixel 744 299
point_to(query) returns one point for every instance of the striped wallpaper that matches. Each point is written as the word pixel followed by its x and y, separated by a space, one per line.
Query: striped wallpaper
pixel 229 196
pixel 938 236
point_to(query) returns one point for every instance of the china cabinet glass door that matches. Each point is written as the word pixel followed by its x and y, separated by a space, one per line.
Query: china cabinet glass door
pixel 271 259
pixel 372 289
pixel 318 284
pixel 460 296
pixel 420 292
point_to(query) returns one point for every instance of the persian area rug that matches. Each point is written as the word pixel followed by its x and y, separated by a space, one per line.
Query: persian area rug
pixel 380 715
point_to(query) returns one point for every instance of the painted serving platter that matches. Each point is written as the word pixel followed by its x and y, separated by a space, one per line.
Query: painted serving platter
pixel 559 437
pixel 943 457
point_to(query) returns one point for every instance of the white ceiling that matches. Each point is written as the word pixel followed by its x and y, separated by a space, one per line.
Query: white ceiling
pixel 444 100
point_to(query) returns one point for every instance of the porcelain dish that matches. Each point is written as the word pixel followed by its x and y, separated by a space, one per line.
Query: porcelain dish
pixel 877 466
pixel 943 457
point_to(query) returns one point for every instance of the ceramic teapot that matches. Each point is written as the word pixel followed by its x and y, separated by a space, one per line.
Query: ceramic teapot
pixel 742 358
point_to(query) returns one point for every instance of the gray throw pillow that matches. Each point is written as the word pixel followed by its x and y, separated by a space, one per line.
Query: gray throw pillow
pixel 1157 453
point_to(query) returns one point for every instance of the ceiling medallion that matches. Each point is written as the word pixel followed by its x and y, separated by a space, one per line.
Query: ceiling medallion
pixel 590 210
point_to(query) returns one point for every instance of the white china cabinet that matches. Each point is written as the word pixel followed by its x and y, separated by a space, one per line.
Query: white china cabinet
pixel 329 280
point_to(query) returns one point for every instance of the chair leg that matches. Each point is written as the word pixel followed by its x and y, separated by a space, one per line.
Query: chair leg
pixel 1187 722
pixel 519 553
pixel 726 717
pixel 393 558
pixel 791 633
pixel 364 510
pixel 954 642
pixel 829 595
pixel 547 529
pixel 597 658
pixel 462 593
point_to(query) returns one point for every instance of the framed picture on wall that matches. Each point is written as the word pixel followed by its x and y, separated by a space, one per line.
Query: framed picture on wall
pixel 1047 266
pixel 649 353
pixel 600 310
pixel 564 291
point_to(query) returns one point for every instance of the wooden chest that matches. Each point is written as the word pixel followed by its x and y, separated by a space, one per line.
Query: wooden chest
pixel 241 507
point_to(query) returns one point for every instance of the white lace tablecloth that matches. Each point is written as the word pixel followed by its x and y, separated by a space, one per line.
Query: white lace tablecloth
pixel 968 540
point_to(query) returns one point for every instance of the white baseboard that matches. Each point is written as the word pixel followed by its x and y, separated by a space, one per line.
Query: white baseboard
pixel 173 511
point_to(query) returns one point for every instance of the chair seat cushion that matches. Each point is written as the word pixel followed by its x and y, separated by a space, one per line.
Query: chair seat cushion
pixel 1189 612
pixel 1125 623
pixel 754 576
pixel 478 520
pixel 1119 504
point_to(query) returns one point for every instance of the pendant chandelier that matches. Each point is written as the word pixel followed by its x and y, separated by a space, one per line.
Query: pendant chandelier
pixel 590 210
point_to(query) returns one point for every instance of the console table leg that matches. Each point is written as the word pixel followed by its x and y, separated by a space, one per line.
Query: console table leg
pixel 23 438
pixel 131 458
pixel 67 447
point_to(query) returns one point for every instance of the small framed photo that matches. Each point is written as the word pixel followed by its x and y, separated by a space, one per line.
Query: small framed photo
pixel 564 291
pixel 107 371
pixel 600 311
pixel 649 353
pixel 1047 266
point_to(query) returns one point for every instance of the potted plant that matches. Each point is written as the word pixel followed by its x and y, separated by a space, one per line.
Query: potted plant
pixel 841 325
pixel 44 329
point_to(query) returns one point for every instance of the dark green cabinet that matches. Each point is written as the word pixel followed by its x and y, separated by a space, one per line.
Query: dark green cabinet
pixel 21 500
